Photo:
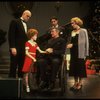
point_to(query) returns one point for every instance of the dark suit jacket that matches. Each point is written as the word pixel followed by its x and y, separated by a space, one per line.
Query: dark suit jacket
pixel 59 47
pixel 17 36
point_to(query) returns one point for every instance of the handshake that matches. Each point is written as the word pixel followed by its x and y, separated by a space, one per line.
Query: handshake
pixel 49 50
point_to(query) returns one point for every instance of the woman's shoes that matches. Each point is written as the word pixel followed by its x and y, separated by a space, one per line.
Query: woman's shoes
pixel 76 87
pixel 27 89
pixel 79 87
pixel 73 87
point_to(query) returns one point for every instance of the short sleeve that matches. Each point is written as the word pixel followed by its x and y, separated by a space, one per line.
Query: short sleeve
pixel 27 45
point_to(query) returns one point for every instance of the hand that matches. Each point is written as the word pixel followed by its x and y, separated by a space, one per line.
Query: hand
pixel 69 46
pixel 14 51
pixel 34 60
pixel 49 50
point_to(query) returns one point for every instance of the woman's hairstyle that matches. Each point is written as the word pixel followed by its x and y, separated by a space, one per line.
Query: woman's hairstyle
pixel 77 20
pixel 31 32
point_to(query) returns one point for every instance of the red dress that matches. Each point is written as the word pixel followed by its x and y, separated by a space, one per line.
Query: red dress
pixel 28 61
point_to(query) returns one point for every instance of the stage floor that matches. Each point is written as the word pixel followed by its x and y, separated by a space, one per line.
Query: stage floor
pixel 90 90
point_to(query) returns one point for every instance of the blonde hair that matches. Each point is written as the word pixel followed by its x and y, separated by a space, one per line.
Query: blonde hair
pixel 31 32
pixel 77 20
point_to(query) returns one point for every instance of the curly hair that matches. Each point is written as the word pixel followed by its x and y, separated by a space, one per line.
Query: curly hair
pixel 31 32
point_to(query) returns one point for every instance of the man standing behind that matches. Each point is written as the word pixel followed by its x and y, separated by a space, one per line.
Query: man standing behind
pixel 17 38
pixel 55 24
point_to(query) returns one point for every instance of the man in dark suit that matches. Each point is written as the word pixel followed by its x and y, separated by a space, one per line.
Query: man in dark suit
pixel 55 24
pixel 55 48
pixel 17 38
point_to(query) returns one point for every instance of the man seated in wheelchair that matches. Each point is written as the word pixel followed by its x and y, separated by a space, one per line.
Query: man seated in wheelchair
pixel 55 49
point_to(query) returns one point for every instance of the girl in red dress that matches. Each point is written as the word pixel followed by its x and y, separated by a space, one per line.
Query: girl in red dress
pixel 30 50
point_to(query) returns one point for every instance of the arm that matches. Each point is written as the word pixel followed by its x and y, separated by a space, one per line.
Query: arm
pixel 27 48
pixel 27 53
pixel 69 44
pixel 11 37
pixel 11 34
pixel 87 43
pixel 41 51
pixel 60 47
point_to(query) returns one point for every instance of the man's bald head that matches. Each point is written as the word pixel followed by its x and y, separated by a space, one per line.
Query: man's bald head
pixel 26 15
pixel 27 12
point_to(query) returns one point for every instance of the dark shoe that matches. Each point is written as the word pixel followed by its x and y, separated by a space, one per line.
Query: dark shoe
pixel 42 85
pixel 51 86
pixel 72 88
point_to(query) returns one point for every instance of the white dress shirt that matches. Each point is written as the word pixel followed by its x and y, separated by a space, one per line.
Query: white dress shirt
pixel 25 25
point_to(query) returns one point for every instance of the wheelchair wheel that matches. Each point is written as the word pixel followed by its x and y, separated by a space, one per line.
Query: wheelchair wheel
pixel 63 80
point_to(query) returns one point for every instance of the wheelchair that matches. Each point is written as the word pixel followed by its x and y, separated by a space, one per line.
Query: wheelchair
pixel 61 78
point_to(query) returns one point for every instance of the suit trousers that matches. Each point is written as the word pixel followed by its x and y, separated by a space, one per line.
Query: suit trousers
pixel 16 64
pixel 51 63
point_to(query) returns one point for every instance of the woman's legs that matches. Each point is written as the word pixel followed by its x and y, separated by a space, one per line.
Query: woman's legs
pixel 80 80
pixel 77 83
pixel 79 86
pixel 75 80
